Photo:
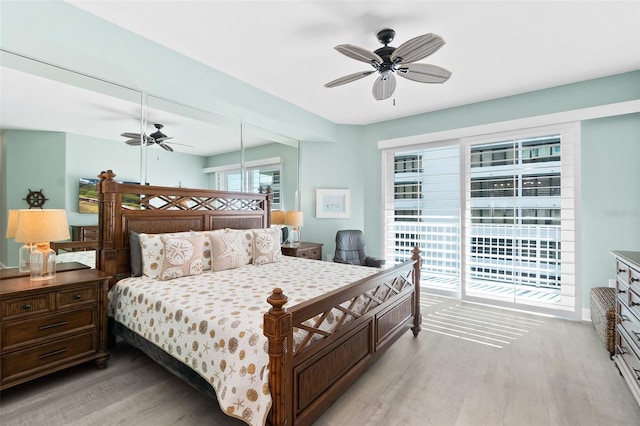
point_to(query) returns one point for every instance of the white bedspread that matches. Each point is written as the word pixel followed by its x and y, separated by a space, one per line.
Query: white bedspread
pixel 213 321
pixel 86 257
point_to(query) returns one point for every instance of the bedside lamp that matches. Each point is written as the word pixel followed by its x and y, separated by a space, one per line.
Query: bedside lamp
pixel 41 227
pixel 294 219
pixel 25 251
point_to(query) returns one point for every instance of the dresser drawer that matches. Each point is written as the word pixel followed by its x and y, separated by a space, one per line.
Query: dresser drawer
pixel 77 296
pixel 22 306
pixel 29 361
pixel 634 301
pixel 634 279
pixel 311 253
pixel 628 360
pixel 15 333
pixel 622 272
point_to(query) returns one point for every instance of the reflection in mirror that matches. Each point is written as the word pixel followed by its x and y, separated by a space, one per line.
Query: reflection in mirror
pixel 267 160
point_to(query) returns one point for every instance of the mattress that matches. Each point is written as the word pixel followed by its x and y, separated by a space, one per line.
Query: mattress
pixel 212 322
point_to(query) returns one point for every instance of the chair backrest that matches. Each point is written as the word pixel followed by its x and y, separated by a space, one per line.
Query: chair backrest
pixel 350 247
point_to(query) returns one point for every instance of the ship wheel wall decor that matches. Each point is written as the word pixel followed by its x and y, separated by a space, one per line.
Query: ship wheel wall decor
pixel 35 199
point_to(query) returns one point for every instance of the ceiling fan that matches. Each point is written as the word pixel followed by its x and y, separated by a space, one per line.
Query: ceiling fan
pixel 157 137
pixel 388 60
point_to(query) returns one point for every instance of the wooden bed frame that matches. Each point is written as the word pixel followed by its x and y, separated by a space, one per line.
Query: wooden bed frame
pixel 303 383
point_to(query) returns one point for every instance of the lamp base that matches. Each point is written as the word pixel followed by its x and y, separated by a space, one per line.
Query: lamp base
pixel 43 263
pixel 24 257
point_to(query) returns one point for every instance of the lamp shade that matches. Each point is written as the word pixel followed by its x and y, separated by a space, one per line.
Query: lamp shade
pixel 12 223
pixel 42 225
pixel 293 218
pixel 277 217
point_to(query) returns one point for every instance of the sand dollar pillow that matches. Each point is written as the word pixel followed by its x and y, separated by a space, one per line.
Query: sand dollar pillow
pixel 266 246
pixel 182 256
pixel 227 250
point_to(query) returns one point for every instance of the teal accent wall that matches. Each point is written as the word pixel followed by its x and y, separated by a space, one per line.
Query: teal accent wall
pixel 610 205
pixel 36 161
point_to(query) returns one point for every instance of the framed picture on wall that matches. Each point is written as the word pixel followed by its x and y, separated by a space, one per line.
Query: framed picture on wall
pixel 333 203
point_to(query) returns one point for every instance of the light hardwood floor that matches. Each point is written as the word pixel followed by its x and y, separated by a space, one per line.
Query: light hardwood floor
pixel 471 365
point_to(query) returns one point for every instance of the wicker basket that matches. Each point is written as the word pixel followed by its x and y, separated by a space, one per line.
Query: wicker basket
pixel 603 315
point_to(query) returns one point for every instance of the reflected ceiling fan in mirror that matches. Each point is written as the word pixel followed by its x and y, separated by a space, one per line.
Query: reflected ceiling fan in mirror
pixel 388 60
pixel 157 138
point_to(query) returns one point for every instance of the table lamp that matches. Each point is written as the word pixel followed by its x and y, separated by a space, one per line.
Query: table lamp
pixel 294 219
pixel 25 251
pixel 40 227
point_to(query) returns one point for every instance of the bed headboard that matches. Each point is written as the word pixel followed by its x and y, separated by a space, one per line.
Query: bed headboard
pixel 166 209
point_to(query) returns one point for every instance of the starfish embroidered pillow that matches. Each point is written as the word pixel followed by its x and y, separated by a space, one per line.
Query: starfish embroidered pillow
pixel 227 250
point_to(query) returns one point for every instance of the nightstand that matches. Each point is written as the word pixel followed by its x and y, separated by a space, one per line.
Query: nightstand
pixel 46 326
pixel 304 250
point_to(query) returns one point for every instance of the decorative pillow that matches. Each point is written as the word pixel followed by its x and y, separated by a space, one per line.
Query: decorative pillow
pixel 206 247
pixel 266 246
pixel 152 249
pixel 182 256
pixel 247 243
pixel 135 254
pixel 228 250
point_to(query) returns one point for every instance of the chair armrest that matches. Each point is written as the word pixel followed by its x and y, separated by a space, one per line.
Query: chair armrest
pixel 374 262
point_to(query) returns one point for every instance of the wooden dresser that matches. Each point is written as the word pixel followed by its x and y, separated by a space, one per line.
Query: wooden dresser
pixel 46 326
pixel 628 318
pixel 303 249
pixel 84 232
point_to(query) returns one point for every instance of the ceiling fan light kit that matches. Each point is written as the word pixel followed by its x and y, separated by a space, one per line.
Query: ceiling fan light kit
pixel 388 60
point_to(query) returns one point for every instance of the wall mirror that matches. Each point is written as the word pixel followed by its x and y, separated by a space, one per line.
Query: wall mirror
pixel 77 116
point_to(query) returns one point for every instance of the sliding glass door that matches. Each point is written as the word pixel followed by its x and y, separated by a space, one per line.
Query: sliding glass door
pixel 494 217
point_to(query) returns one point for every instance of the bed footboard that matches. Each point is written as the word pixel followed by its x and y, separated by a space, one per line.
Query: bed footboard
pixel 307 376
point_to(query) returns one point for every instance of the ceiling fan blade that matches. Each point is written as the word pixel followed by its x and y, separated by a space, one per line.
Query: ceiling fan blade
pixel 162 139
pixel 133 142
pixel 348 78
pixel 130 135
pixel 384 86
pixel 417 48
pixel 165 147
pixel 359 53
pixel 424 73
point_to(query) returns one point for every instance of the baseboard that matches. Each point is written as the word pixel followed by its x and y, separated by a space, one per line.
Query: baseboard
pixel 586 314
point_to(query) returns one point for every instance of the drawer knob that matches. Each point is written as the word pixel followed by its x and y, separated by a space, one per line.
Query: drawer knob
pixel 633 279
pixel 26 306
pixel 637 373
pixel 622 291
pixel 77 297
pixel 620 270
pixel 634 303
pixel 637 334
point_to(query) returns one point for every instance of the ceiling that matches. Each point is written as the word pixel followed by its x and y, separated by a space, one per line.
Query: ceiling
pixel 493 49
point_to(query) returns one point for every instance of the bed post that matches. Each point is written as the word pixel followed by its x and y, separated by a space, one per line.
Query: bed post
pixel 417 316
pixel 279 331
pixel 105 253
